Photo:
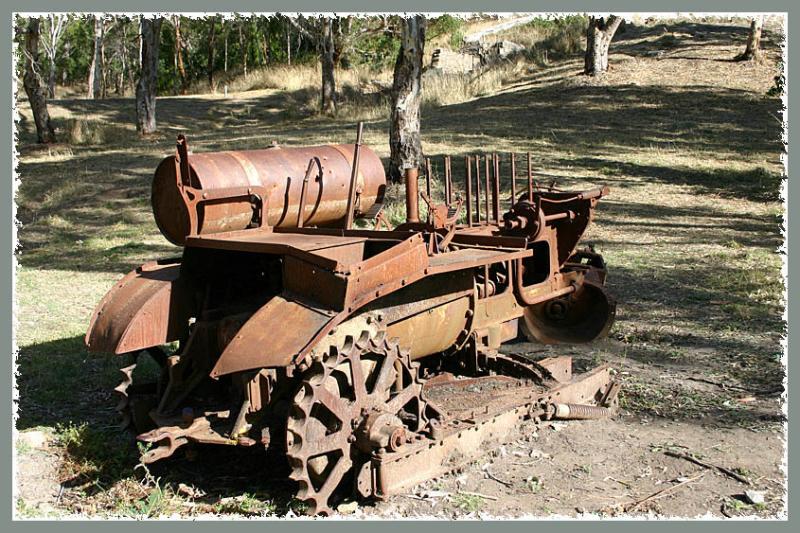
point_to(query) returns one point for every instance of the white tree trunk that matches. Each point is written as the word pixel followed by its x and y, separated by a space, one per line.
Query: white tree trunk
pixel 598 39
pixel 752 51
pixel 54 30
pixel 95 72
pixel 404 134
pixel 33 85
pixel 148 78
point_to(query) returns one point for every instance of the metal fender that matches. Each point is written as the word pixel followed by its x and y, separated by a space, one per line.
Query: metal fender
pixel 273 336
pixel 145 308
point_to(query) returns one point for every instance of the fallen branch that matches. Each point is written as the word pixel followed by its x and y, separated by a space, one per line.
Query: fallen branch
pixel 495 478
pixel 478 494
pixel 692 459
pixel 632 506
pixel 623 483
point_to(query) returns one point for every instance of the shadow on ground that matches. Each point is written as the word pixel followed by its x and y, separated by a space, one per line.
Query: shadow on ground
pixel 65 204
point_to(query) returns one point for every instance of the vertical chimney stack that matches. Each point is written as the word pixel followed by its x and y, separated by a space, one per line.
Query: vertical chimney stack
pixel 412 195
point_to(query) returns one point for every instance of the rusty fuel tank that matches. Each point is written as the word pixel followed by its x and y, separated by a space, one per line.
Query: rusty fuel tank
pixel 276 173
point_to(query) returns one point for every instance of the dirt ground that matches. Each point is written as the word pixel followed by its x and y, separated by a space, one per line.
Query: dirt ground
pixel 606 467
pixel 689 143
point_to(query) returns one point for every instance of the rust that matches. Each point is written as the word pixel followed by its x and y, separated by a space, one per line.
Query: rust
pixel 301 212
pixel 496 189
pixel 573 411
pixel 513 178
pixel 530 175
pixel 216 193
pixel 374 356
pixel 488 187
pixel 468 188
pixel 351 197
pixel 478 189
pixel 412 195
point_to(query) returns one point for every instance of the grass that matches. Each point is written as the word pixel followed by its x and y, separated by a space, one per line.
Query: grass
pixel 688 144
pixel 470 503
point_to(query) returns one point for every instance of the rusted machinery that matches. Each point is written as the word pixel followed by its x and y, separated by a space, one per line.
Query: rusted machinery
pixel 368 356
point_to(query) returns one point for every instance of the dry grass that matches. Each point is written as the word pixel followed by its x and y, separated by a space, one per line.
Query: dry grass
pixel 688 143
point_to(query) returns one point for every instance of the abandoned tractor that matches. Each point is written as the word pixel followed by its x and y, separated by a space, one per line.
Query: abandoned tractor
pixel 369 357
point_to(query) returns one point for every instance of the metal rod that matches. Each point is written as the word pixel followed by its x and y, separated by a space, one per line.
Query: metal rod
pixel 558 216
pixel 412 194
pixel 351 197
pixel 486 180
pixel 496 190
pixel 428 176
pixel 486 276
pixel 513 179
pixel 448 180
pixel 301 209
pixel 428 188
pixel 468 165
pixel 478 188
pixel 530 178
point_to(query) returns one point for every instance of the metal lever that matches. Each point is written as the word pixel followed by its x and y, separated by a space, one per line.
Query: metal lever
pixel 351 198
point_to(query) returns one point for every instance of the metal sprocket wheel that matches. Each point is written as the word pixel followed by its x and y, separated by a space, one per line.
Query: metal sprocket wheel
pixel 136 399
pixel 339 398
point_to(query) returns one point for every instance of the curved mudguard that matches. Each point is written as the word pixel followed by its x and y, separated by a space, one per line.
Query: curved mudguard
pixel 315 301
pixel 146 308
pixel 273 336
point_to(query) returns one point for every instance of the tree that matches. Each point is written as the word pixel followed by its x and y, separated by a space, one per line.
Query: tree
pixel 404 134
pixel 33 85
pixel 333 37
pixel 54 28
pixel 752 51
pixel 320 31
pixel 148 77
pixel 326 50
pixel 212 40
pixel 180 82
pixel 244 40
pixel 349 32
pixel 125 67
pixel 598 38
pixel 95 71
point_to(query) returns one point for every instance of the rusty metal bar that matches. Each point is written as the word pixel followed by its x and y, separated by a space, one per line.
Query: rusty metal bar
pixel 486 180
pixel 558 216
pixel 530 177
pixel 428 176
pixel 412 194
pixel 182 158
pixel 468 166
pixel 513 178
pixel 351 197
pixel 486 276
pixel 428 187
pixel 301 208
pixel 448 184
pixel 496 189
pixel 478 188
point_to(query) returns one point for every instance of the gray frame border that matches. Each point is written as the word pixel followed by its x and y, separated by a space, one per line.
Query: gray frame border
pixel 619 6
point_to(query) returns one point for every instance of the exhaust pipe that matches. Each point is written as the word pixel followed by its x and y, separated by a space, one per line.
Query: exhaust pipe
pixel 412 195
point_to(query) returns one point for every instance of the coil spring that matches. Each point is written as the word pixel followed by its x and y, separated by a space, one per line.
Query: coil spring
pixel 580 412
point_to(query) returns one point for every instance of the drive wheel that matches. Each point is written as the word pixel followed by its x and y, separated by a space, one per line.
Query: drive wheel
pixel 359 398
pixel 136 399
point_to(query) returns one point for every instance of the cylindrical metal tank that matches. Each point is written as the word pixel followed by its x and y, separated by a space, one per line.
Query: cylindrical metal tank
pixel 280 171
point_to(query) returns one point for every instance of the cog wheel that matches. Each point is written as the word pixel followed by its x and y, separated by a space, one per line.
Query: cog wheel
pixel 359 398
pixel 136 399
